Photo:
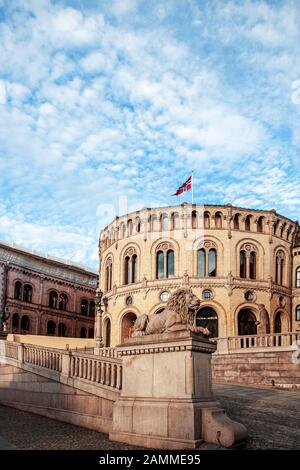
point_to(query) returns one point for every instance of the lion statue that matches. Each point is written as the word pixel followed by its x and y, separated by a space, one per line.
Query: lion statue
pixel 180 313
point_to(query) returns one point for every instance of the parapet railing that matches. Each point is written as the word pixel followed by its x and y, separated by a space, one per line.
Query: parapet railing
pixel 104 369
pixel 249 343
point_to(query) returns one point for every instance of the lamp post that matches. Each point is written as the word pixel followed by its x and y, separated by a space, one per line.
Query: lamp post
pixel 100 302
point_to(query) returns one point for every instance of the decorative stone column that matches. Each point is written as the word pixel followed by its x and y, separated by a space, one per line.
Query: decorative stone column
pixel 166 400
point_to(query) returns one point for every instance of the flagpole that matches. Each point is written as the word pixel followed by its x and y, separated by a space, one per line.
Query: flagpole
pixel 192 187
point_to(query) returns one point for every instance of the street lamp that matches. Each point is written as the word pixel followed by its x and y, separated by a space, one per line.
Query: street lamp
pixel 100 302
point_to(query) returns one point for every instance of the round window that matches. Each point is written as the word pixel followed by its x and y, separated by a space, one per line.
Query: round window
pixel 164 296
pixel 249 295
pixel 129 300
pixel 207 294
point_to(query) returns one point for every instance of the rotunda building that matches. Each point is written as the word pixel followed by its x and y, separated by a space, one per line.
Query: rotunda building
pixel 243 264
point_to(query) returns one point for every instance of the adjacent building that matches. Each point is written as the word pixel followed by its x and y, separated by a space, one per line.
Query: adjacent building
pixel 243 264
pixel 46 295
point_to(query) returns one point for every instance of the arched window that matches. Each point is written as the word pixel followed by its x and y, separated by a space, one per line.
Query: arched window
pixel 53 299
pixel 280 265
pixel 160 269
pixel 15 322
pixel 130 266
pixel 108 274
pixel 18 290
pixel 25 324
pixel 201 263
pixel 218 220
pixel 164 222
pixel 62 329
pixel 165 261
pixel 107 333
pixel 27 293
pixel 298 277
pixel 248 223
pixel 207 260
pixel 260 224
pixel 282 229
pixel 208 318
pixel 298 313
pixel 247 324
pixel 51 328
pixel 122 230
pixel 170 263
pixel 206 220
pixel 84 307
pixel 137 225
pixel 63 300
pixel 252 261
pixel 175 221
pixel 127 325
pixel 194 220
pixel 92 308
pixel 134 268
pixel 83 332
pixel 129 227
pixel 242 264
pixel 236 222
pixel 91 332
pixel 212 263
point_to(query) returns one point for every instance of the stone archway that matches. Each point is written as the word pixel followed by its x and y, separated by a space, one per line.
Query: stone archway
pixel 281 323
pixel 207 318
pixel 107 333
pixel 127 325
pixel 247 322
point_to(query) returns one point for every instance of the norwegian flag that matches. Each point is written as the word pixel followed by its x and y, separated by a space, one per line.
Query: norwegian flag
pixel 184 187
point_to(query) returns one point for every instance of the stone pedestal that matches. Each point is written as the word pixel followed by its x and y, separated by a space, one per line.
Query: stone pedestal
pixel 166 400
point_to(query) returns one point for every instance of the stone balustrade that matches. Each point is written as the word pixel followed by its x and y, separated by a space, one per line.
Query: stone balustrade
pixel 249 343
pixel 101 370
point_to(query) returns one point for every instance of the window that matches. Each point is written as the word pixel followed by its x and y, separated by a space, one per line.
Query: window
pixel 27 293
pixel 108 274
pixel 280 265
pixel 170 263
pixel 130 266
pixel 129 227
pixel 92 308
pixel 164 296
pixel 138 225
pixel 252 261
pixel 201 262
pixel 128 300
pixel 175 221
pixel 153 220
pixel 218 220
pixel 83 332
pixel 63 300
pixel 248 223
pixel 236 222
pixel 249 296
pixel 260 225
pixel 91 333
pixel 62 329
pixel 194 219
pixel 164 223
pixel 18 291
pixel 207 294
pixel 207 261
pixel 160 265
pixel 298 313
pixel 165 261
pixel 84 307
pixel 15 322
pixel 51 328
pixel 242 264
pixel 298 277
pixel 122 230
pixel 206 220
pixel 25 323
pixel 53 299
pixel 212 263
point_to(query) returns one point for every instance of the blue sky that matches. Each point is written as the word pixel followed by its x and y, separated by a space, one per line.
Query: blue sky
pixel 106 106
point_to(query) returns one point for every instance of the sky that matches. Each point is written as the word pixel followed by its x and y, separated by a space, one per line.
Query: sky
pixel 107 105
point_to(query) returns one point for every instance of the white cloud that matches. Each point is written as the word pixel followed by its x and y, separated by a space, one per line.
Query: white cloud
pixel 2 92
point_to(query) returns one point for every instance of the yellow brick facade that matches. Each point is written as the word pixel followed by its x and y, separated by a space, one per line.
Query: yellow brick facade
pixel 185 229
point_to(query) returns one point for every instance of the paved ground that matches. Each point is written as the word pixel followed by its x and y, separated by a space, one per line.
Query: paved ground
pixel 271 416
